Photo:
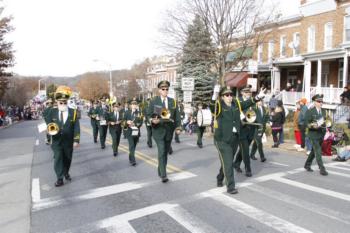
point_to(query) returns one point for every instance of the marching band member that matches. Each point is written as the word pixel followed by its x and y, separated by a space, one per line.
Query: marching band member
pixel 134 121
pixel 94 123
pixel 262 118
pixel 315 121
pixel 123 111
pixel 148 124
pixel 200 129
pixel 102 115
pixel 163 127
pixel 68 135
pixel 246 131
pixel 115 129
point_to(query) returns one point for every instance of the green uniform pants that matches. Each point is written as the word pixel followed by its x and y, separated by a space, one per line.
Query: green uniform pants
pixel 243 154
pixel 103 134
pixel 132 147
pixel 200 132
pixel 115 134
pixel 226 155
pixel 163 150
pixel 316 151
pixel 149 135
pixel 257 145
pixel 94 125
pixel 62 160
pixel 177 139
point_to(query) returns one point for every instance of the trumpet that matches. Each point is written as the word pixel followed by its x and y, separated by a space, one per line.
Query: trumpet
pixel 250 116
pixel 52 129
pixel 94 116
pixel 124 125
pixel 165 114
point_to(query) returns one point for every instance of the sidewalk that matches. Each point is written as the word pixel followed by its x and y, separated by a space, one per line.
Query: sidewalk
pixel 16 155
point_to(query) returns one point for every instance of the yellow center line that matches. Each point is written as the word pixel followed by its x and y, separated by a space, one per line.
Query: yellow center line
pixel 146 158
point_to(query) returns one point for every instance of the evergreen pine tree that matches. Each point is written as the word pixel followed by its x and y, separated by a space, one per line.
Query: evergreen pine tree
pixel 198 58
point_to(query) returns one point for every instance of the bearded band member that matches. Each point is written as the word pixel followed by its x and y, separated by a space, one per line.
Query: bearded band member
pixel 68 135
pixel 165 118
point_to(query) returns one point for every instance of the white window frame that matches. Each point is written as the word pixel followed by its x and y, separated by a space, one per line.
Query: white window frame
pixel 344 37
pixel 260 53
pixel 311 39
pixel 283 46
pixel 328 35
pixel 294 44
pixel 271 50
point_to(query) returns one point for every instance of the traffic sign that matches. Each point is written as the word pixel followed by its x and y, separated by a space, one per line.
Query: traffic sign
pixel 187 96
pixel 187 84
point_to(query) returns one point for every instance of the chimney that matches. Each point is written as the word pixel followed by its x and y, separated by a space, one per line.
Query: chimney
pixel 302 2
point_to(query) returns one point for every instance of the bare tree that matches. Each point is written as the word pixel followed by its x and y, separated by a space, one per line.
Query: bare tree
pixel 232 24
pixel 92 86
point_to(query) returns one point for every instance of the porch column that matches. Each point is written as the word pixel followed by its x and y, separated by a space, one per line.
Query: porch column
pixel 319 75
pixel 307 80
pixel 345 70
pixel 277 79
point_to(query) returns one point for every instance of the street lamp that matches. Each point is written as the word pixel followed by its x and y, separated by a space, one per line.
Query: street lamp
pixel 110 76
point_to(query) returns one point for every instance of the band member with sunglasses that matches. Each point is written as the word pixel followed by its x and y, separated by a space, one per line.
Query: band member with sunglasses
pixel 163 127
pixel 94 123
pixel 114 119
pixel 315 121
pixel 68 135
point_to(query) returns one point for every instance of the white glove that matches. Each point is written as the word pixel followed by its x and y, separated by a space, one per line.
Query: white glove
pixel 216 92
pixel 261 94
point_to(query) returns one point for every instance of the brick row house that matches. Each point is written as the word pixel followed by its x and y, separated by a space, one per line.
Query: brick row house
pixel 312 46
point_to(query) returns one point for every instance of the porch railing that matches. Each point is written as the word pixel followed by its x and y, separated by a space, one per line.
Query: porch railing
pixel 331 95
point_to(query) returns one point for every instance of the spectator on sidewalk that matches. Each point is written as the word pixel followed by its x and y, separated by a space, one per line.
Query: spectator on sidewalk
pixel 343 155
pixel 284 114
pixel 297 135
pixel 301 122
pixel 345 96
pixel 273 103
pixel 299 87
pixel 277 123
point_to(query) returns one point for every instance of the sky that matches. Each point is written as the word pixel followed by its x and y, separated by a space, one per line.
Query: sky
pixel 71 37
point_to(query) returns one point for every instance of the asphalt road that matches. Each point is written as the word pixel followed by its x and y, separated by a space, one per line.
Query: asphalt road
pixel 108 195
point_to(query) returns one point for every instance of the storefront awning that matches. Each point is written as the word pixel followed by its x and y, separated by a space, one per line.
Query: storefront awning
pixel 240 53
pixel 238 79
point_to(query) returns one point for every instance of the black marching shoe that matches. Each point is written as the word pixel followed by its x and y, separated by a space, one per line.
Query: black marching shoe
pixel 253 157
pixel 102 147
pixel 67 177
pixel 177 141
pixel 232 191
pixel 115 154
pixel 95 141
pixel 149 145
pixel 59 183
pixel 263 160
pixel 219 183
pixel 165 179
pixel 307 168
pixel 238 170
pixel 248 174
pixel 133 164
pixel 170 151
pixel 323 172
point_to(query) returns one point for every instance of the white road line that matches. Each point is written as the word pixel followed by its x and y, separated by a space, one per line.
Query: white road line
pixel 314 189
pixel 338 174
pixel 337 167
pixel 191 144
pixel 102 192
pixel 279 164
pixel 116 221
pixel 122 227
pixel 35 190
pixel 258 215
pixel 189 221
pixel 37 142
pixel 329 213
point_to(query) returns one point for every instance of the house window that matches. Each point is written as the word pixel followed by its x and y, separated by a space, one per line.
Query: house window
pixel 328 35
pixel 260 53
pixel 283 42
pixel 271 50
pixel 311 39
pixel 296 44
pixel 347 28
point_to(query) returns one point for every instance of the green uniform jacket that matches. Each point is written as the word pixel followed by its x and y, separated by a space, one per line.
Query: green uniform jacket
pixel 137 119
pixel 165 128
pixel 228 117
pixel 46 113
pixel 262 118
pixel 69 132
pixel 112 118
pixel 102 113
pixel 92 111
pixel 311 116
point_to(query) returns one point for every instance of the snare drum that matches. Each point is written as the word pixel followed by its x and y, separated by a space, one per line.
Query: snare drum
pixel 204 117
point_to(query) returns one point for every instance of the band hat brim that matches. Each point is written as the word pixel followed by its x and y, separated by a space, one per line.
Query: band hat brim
pixel 226 91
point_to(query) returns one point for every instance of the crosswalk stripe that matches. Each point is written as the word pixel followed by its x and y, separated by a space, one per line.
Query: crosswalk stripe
pixel 329 213
pixel 102 192
pixel 338 174
pixel 35 190
pixel 279 164
pixel 338 167
pixel 259 215
pixel 121 227
pixel 189 221
pixel 314 188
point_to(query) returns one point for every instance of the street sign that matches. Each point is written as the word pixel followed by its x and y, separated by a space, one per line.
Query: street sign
pixel 187 96
pixel 187 84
